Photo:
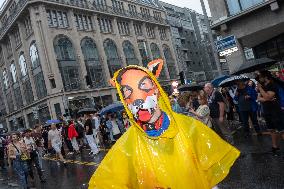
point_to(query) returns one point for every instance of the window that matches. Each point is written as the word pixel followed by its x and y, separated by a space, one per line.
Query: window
pixel 236 6
pixel 150 31
pixel 52 83
pixel 23 65
pixel 17 37
pixel 144 53
pixel 12 7
pixel 83 22
pixel 28 92
pixel 123 27
pixel 105 25
pixel 157 15
pixel 57 18
pixel 5 79
pixel 9 48
pixel 67 63
pixel 145 12
pixel 28 26
pixel 10 102
pixel 117 6
pixel 13 72
pixel 57 110
pixel 18 97
pixel 170 62
pixel 163 34
pixel 157 54
pixel 113 59
pixel 93 62
pixel 40 85
pixel 138 29
pixel 100 4
pixel 132 9
pixel 34 56
pixel 129 53
pixel 4 19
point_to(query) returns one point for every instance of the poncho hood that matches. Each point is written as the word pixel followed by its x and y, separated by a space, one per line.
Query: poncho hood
pixel 163 102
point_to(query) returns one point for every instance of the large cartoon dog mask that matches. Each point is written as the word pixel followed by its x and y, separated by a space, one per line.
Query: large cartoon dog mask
pixel 140 93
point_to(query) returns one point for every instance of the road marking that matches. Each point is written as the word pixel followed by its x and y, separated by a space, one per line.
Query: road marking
pixel 73 161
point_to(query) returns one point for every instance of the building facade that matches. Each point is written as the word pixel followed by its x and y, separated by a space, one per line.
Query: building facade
pixel 191 43
pixel 258 26
pixel 57 56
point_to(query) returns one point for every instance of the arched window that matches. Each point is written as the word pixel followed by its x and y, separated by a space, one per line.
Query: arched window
pixel 157 54
pixel 129 53
pixel 23 65
pixel 113 60
pixel 68 65
pixel 34 56
pixel 13 72
pixel 5 79
pixel 93 62
pixel 170 62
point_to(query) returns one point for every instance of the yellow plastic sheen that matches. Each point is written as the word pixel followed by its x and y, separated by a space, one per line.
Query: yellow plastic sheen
pixel 188 155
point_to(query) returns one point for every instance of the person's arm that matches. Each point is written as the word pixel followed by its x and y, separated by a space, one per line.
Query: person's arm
pixel 11 152
pixel 266 95
pixel 221 111
pixel 49 140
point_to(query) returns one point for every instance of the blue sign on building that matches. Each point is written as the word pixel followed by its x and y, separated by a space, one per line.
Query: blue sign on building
pixel 226 43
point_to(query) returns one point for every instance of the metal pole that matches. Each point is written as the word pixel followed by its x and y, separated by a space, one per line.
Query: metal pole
pixel 211 38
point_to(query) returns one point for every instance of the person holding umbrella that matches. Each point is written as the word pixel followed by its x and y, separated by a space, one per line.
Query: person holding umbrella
pixel 269 97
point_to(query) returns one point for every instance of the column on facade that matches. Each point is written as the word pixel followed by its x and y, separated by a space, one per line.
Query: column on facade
pixel 101 51
pixel 160 45
pixel 135 44
pixel 39 25
pixel 5 65
pixel 76 40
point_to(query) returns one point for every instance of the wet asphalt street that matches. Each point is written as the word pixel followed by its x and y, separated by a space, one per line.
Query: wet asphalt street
pixel 257 168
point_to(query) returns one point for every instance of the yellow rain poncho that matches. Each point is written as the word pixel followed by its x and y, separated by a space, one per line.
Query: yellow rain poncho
pixel 188 155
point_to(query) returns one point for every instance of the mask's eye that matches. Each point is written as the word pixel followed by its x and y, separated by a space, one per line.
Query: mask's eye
pixel 146 84
pixel 126 91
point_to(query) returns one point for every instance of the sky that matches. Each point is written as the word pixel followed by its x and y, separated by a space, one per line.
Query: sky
pixel 192 4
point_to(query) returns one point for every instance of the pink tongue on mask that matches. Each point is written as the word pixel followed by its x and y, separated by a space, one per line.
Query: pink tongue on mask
pixel 144 115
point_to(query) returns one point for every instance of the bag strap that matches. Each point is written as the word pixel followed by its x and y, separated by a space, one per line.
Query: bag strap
pixel 16 148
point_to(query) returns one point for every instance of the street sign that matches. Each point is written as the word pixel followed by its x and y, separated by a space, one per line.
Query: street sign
pixel 225 43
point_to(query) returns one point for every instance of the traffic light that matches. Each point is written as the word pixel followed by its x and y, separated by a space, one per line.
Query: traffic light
pixel 181 77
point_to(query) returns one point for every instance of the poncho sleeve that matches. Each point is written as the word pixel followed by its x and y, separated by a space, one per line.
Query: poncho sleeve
pixel 115 170
pixel 215 156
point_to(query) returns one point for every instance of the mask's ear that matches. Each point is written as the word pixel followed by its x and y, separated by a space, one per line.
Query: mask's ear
pixel 156 66
pixel 112 82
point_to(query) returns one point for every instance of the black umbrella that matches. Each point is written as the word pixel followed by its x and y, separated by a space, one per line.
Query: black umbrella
pixel 87 111
pixel 190 87
pixel 232 80
pixel 253 65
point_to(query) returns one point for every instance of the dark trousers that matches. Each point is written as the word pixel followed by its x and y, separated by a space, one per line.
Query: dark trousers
pixel 245 115
pixel 34 161
pixel 69 145
pixel 2 162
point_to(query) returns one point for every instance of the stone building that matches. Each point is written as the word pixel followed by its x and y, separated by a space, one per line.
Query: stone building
pixel 258 26
pixel 191 42
pixel 57 56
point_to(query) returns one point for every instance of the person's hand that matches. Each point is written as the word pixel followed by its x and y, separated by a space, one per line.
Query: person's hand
pixel 221 119
pixel 247 97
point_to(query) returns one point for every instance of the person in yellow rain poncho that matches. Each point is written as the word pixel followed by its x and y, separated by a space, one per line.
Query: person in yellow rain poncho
pixel 161 149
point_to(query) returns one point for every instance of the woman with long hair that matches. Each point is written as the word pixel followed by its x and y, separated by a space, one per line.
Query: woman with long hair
pixel 19 155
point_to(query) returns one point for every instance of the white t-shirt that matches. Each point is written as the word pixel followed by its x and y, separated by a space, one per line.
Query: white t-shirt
pixel 30 143
pixel 115 129
pixel 54 136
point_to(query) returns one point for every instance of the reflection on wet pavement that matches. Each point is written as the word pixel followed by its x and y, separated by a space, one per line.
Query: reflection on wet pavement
pixel 257 168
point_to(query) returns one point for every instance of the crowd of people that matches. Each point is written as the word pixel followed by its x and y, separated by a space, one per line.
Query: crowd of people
pixel 25 151
pixel 247 102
